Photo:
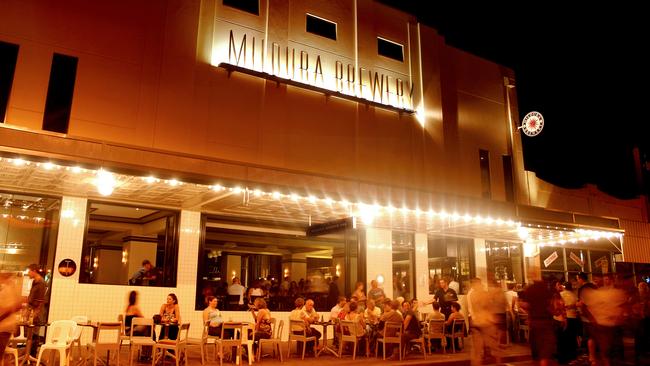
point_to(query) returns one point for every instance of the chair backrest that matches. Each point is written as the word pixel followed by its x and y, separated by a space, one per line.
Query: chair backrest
pixel 144 322
pixel 274 329
pixel 436 328
pixel 183 332
pixel 298 326
pixel 120 318
pixel 109 333
pixel 348 329
pixel 278 330
pixel 61 332
pixel 392 331
pixel 458 328
pixel 79 320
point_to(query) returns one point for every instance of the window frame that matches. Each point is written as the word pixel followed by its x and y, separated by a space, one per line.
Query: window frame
pixel 386 40
pixel 319 18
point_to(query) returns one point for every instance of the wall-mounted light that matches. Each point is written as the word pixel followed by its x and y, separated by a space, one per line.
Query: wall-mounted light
pixel 380 279
pixel 125 255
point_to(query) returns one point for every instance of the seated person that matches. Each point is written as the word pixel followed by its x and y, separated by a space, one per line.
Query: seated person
pixel 299 314
pixel 170 315
pixel 435 314
pixel 262 315
pixel 390 315
pixel 372 312
pixel 146 275
pixel 212 315
pixel 412 329
pixel 338 307
pixel 310 316
pixel 455 314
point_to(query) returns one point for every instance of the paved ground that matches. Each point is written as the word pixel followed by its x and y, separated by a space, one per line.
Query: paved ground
pixel 514 353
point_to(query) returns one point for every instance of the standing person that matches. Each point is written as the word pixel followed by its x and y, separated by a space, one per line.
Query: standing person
pixel 375 293
pixel 445 297
pixel 588 322
pixel 559 318
pixel 333 294
pixel 641 315
pixel 237 289
pixel 454 285
pixel 36 298
pixel 170 313
pixel 360 294
pixel 536 299
pixel 9 306
pixel 567 345
pixel 145 275
pixel 606 306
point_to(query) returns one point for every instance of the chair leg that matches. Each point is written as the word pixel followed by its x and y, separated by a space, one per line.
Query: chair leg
pixel 304 348
pixel 354 351
pixel 280 351
pixel 63 357
pixel 289 349
pixel 383 348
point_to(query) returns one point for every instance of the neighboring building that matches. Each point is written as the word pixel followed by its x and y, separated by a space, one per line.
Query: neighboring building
pixel 260 139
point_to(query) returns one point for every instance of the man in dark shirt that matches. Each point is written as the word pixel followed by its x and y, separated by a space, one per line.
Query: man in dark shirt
pixel 588 321
pixel 36 298
pixel 445 296
pixel 537 302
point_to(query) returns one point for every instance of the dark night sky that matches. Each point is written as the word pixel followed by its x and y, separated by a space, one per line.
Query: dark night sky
pixel 580 67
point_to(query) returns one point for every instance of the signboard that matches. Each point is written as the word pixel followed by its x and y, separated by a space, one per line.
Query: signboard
pixel 577 259
pixel 330 227
pixel 551 258
pixel 603 263
pixel 532 124
pixel 67 267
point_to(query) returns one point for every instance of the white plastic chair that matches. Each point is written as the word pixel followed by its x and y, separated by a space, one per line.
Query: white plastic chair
pixel 76 336
pixel 59 338
pixel 10 351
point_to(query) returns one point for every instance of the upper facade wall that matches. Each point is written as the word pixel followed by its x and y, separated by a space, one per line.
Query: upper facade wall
pixel 148 76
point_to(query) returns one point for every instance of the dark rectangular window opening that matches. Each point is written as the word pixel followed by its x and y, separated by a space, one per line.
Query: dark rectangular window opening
pixel 321 27
pixel 249 6
pixel 390 49
pixel 508 178
pixel 484 159
pixel 8 59
pixel 59 93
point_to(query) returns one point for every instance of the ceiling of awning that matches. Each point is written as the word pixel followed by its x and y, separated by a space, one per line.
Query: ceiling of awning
pixel 256 204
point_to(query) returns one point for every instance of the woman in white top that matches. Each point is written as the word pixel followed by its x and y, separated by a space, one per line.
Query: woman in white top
pixel 212 316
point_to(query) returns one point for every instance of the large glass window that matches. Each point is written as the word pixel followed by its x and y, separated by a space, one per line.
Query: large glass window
pixel 403 265
pixel 504 261
pixel 450 258
pixel 240 260
pixel 130 245
pixel 28 231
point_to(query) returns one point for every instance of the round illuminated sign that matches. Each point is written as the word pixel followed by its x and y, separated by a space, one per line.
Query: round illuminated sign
pixel 532 124
pixel 67 267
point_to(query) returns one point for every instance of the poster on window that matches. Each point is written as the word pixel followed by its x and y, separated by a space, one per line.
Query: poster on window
pixel 551 258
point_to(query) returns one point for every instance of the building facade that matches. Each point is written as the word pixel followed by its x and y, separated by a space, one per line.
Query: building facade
pixel 324 141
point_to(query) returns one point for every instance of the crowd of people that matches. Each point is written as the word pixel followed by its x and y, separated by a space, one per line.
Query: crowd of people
pixel 590 317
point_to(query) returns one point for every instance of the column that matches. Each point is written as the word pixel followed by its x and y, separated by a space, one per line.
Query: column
pixel 379 259
pixel 480 260
pixel 422 267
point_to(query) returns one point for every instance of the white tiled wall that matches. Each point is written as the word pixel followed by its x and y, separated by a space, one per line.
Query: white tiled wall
pixel 422 267
pixel 379 258
pixel 106 302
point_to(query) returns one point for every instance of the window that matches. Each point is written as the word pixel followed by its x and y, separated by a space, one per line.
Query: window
pixel 390 49
pixel 59 93
pixel 275 260
pixel 28 232
pixel 129 245
pixel 504 262
pixel 321 27
pixel 249 6
pixel 484 160
pixel 508 178
pixel 403 265
pixel 450 258
pixel 8 58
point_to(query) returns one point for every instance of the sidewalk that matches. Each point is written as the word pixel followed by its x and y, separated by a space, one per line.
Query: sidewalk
pixel 513 353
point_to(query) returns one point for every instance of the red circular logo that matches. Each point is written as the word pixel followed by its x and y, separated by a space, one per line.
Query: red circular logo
pixel 532 124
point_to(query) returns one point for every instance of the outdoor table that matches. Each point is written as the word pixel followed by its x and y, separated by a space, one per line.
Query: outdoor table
pixel 325 346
